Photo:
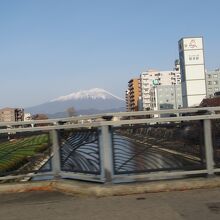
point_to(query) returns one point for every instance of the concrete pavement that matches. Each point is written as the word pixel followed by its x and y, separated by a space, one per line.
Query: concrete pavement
pixel 203 204
pixel 75 187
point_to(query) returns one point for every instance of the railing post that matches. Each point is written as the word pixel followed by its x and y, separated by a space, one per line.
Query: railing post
pixel 56 166
pixel 106 153
pixel 208 146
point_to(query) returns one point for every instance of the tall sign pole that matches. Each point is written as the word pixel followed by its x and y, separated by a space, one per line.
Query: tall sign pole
pixel 192 67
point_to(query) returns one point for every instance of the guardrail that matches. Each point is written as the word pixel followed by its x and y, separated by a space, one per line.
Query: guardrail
pixel 134 146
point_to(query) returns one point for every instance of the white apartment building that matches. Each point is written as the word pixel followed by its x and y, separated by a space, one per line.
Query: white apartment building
pixel 152 78
pixel 212 82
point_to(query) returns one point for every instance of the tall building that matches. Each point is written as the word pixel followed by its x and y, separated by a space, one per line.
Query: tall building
pixel 212 82
pixel 192 69
pixel 11 114
pixel 127 99
pixel 153 78
pixel 132 95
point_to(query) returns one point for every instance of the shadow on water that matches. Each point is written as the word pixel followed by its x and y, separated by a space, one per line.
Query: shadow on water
pixel 131 156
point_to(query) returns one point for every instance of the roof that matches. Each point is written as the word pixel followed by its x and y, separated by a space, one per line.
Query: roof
pixel 210 102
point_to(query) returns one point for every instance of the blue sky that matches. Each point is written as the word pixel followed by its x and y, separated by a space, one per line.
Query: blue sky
pixel 50 48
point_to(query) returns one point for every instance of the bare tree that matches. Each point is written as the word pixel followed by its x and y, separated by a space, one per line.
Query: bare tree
pixel 39 117
pixel 71 112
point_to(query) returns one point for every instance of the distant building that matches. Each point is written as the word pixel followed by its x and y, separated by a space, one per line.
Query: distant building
pixel 127 99
pixel 212 82
pixel 192 67
pixel 11 114
pixel 166 97
pixel 132 95
pixel 153 78
pixel 27 116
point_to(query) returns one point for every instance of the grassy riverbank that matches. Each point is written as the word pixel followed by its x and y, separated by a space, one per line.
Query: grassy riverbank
pixel 17 152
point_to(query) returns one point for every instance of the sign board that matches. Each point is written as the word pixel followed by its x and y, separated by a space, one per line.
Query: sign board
pixel 192 44
pixel 192 57
pixel 155 82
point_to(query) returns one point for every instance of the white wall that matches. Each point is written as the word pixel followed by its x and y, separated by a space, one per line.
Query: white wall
pixel 194 72
pixel 196 87
pixel 195 100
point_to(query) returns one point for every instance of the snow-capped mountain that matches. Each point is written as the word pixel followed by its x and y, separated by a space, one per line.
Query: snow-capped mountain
pixel 95 99
pixel 95 93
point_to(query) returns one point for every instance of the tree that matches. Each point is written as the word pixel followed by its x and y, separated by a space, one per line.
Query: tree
pixel 39 117
pixel 71 112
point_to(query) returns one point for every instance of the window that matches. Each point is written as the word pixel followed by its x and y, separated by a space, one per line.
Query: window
pixel 209 76
pixel 216 89
pixel 215 82
pixel 209 82
pixel 215 75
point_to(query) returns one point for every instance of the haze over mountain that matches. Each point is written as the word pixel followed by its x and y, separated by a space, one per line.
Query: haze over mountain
pixel 91 101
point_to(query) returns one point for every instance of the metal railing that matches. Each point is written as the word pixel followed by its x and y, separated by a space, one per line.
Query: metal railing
pixel 113 147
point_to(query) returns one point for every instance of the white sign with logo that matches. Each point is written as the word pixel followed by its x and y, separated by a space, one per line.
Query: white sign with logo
pixel 192 44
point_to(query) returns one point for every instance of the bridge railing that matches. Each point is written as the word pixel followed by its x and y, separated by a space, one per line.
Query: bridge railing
pixel 113 147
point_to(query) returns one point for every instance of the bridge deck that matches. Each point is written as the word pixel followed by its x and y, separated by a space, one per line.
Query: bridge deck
pixel 195 204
